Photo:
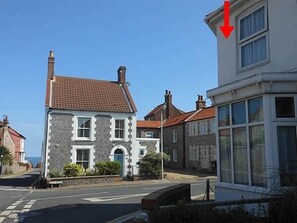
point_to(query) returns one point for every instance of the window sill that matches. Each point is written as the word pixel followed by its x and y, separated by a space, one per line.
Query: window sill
pixel 253 66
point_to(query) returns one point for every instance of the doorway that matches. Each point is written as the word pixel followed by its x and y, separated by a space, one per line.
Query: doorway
pixel 119 156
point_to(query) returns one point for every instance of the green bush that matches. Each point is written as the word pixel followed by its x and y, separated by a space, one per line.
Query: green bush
pixel 73 170
pixel 107 168
pixel 54 173
pixel 6 157
pixel 150 165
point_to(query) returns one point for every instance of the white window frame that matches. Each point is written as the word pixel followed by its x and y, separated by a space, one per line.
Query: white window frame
pixel 252 38
pixel 84 147
pixel 124 129
pixel 247 125
pixel 75 127
pixel 144 152
pixel 174 135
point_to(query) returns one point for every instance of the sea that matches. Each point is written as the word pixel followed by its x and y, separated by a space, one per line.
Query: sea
pixel 33 160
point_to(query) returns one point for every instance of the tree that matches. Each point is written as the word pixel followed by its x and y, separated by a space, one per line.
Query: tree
pixel 150 165
pixel 5 156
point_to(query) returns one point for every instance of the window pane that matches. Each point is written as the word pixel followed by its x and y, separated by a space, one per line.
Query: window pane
pixel 258 158
pixel 255 107
pixel 79 155
pixel 86 155
pixel 246 27
pixel 238 113
pixel 258 20
pixel 259 50
pixel 225 155
pixel 224 115
pixel 285 107
pixel 80 133
pixel 287 152
pixel 247 55
pixel 86 133
pixel 240 156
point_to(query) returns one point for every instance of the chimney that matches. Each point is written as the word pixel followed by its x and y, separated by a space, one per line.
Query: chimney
pixel 168 103
pixel 122 75
pixel 5 121
pixel 50 65
pixel 200 103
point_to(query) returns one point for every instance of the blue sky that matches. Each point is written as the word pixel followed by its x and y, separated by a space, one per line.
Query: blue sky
pixel 164 44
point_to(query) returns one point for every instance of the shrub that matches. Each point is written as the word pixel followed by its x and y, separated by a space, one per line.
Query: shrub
pixel 6 157
pixel 150 165
pixel 107 168
pixel 73 170
pixel 54 173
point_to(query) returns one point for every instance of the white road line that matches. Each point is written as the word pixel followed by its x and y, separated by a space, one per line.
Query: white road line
pixel 25 210
pixel 28 206
pixel 6 213
pixel 2 219
pixel 10 207
pixel 112 198
pixel 13 189
pixel 17 203
pixel 152 188
pixel 61 197
pixel 198 184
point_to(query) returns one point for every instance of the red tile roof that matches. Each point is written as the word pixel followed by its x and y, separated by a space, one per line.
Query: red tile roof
pixel 205 113
pixel 148 124
pixel 155 110
pixel 177 119
pixel 70 93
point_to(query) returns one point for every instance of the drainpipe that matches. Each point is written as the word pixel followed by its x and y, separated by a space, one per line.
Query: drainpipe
pixel 184 145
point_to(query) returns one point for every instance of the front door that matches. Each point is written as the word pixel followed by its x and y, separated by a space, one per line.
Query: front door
pixel 119 156
pixel 204 158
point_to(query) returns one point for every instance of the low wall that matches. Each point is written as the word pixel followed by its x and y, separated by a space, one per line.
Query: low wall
pixel 85 180
pixel 13 169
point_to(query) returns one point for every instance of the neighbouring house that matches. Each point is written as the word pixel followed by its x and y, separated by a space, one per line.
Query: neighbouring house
pixel 256 98
pixel 174 140
pixel 167 109
pixel 12 140
pixel 200 140
pixel 90 120
pixel 148 129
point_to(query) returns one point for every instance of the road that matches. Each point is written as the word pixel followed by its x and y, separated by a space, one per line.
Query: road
pixel 99 204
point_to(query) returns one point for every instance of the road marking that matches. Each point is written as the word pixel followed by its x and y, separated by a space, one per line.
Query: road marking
pixel 13 189
pixel 2 219
pixel 17 203
pixel 32 202
pixel 152 188
pixel 112 198
pixel 28 206
pixel 61 197
pixel 10 207
pixel 198 184
pixel 6 213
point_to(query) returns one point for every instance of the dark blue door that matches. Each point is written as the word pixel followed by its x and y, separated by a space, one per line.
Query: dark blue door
pixel 119 156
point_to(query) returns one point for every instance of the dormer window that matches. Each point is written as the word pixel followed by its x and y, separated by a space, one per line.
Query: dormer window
pixel 253 38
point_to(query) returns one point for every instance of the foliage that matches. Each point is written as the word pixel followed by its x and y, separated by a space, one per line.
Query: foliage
pixel 107 168
pixel 284 209
pixel 150 165
pixel 73 170
pixel 208 215
pixel 54 173
pixel 6 157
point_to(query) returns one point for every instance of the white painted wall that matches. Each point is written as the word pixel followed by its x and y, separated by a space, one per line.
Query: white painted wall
pixel 282 36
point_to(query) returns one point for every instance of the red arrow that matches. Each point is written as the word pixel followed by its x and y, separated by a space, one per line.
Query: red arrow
pixel 226 29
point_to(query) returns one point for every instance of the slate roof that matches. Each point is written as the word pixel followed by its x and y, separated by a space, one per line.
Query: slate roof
pixel 71 93
pixel 148 124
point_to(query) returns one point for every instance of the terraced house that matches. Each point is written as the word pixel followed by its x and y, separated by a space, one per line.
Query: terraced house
pixel 256 98
pixel 90 120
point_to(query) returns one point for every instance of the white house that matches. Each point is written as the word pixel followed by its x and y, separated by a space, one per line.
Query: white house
pixel 90 120
pixel 256 100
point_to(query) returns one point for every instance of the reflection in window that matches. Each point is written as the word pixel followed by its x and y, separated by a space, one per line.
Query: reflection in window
pixel 257 151
pixel 284 107
pixel 224 115
pixel 287 153
pixel 238 113
pixel 82 157
pixel 255 110
pixel 84 127
pixel 225 155
pixel 240 156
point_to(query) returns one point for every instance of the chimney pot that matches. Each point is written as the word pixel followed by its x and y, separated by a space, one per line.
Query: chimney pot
pixel 200 103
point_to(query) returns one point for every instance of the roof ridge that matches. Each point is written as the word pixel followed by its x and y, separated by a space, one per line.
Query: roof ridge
pixel 83 78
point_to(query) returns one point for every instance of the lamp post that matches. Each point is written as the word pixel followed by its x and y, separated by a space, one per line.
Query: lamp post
pixel 162 164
